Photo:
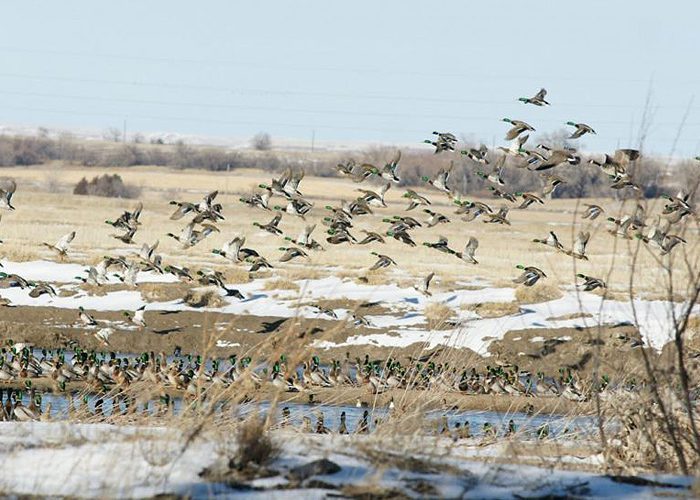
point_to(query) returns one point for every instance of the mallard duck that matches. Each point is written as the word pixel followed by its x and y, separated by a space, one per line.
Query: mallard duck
pixel 382 261
pixel 530 275
pixel 472 210
pixel 622 226
pixel 528 199
pixel 499 217
pixel 679 202
pixel 402 236
pixel 551 241
pixel 581 129
pixel 495 176
pixel 15 280
pixel 551 183
pixel 440 145
pixel 42 289
pixel 537 99
pixel 670 242
pixel 6 195
pixel 440 245
pixel 623 181
pixel 424 285
pixel 469 250
pixel 416 199
pixel 391 167
pixel 260 200
pixel 182 273
pixel 272 226
pixel 375 199
pixel 86 318
pixel 296 206
pixel 579 249
pixel 590 283
pixel 292 253
pixel 61 246
pixel 338 236
pixel 518 128
pixel 516 147
pixel 137 317
pixel 365 171
pixel 502 194
pixel 618 162
pixel 554 158
pixel 371 237
pixel 231 250
pixel 346 168
pixel 258 263
pixel 102 336
pixel 477 155
pixel 126 238
pixel 440 180
pixel 592 211
pixel 435 218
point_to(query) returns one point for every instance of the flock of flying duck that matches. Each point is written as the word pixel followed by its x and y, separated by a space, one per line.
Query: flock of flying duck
pixel 342 218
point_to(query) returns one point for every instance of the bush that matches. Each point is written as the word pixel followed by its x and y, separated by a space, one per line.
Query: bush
pixel 262 141
pixel 109 186
pixel 254 444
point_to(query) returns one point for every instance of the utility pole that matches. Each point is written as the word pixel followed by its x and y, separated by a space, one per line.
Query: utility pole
pixel 124 132
pixel 313 139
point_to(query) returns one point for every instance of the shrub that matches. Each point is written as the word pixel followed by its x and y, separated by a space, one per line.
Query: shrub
pixel 254 444
pixel 261 141
pixel 109 186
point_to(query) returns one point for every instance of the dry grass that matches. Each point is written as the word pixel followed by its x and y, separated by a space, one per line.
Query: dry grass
pixel 492 309
pixel 437 314
pixel 204 298
pixel 539 292
pixel 280 284
pixel 163 292
pixel 255 445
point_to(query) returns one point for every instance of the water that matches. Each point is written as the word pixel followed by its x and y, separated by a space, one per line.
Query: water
pixel 558 426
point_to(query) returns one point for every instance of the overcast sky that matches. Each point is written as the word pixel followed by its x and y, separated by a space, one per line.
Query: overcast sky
pixel 365 71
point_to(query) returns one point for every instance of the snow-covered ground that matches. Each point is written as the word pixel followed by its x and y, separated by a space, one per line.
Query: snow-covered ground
pixel 407 323
pixel 100 460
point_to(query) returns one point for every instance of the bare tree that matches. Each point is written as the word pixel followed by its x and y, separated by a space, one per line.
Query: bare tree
pixel 262 141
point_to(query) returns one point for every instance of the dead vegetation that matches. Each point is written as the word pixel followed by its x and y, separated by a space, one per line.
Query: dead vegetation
pixel 539 292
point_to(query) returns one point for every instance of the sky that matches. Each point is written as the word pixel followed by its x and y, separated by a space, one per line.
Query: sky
pixel 356 71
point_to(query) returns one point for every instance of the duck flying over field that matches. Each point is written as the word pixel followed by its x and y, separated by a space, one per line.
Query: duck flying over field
pixel 440 145
pixel 592 211
pixel 137 318
pixel 257 263
pixel 181 273
pixel 15 280
pixel 288 183
pixel 6 193
pixel 127 220
pixel 618 162
pixel 498 193
pixel 554 158
pixel 271 227
pixel 371 237
pixel 499 217
pixel 296 206
pixel 382 261
pixel 530 275
pixel 590 283
pixel 441 245
pixel 86 318
pixel 126 238
pixel 469 250
pixel 472 210
pixel 374 199
pixel 424 285
pixel 551 183
pixel 496 174
pixel 401 234
pixel 670 242
pixel 42 289
pixel 440 180
pixel 624 181
pixel 518 127
pixel 61 246
pixel 338 236
pixel 581 129
pixel 390 169
pixel 551 241
pixel 477 154
pixel 537 99
pixel 346 168
pixel 579 249
pixel 416 199
pixel 528 199
pixel 292 253
pixel 233 250
pixel 515 148
pixel 679 202
pixel 261 200
pixel 435 218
